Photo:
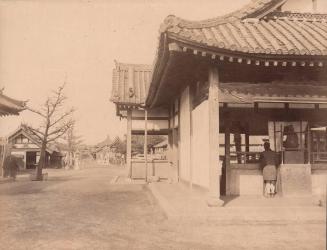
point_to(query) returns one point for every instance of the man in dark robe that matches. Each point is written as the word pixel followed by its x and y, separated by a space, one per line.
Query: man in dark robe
pixel 11 167
pixel 269 162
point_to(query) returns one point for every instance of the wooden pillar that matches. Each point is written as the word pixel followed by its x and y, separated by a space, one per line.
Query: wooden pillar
pixel 129 143
pixel 309 143
pixel 191 137
pixel 146 144
pixel 175 135
pixel 214 162
pixel 247 146
pixel 227 158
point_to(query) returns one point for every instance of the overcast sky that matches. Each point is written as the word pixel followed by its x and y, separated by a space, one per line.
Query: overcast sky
pixel 44 42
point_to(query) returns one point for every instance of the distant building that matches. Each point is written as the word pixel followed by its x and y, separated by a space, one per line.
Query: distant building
pixel 160 149
pixel 108 151
pixel 27 148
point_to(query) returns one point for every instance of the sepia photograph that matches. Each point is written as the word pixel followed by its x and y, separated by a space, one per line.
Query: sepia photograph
pixel 162 124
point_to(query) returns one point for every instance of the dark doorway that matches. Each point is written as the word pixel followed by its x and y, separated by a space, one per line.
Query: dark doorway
pixel 31 160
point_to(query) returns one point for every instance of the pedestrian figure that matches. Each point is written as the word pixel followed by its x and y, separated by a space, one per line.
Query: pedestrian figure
pixel 11 167
pixel 122 160
pixel 269 162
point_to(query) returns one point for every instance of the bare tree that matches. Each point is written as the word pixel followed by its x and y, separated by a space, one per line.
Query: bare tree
pixel 56 122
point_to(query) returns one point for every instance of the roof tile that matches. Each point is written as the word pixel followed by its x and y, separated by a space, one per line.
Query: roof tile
pixel 131 92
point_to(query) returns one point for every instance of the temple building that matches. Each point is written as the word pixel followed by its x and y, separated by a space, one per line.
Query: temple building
pixel 259 72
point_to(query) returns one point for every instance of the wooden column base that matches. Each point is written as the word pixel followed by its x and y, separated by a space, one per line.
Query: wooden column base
pixel 214 202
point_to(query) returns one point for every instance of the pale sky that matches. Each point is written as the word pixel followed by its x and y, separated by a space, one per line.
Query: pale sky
pixel 43 42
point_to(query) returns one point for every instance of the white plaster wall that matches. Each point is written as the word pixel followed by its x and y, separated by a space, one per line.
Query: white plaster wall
pixel 246 182
pixel 319 182
pixel 200 145
pixel 185 138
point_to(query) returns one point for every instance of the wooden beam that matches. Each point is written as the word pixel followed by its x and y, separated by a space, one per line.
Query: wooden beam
pixel 214 162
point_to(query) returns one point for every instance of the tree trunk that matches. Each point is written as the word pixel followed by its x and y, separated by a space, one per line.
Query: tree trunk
pixel 41 163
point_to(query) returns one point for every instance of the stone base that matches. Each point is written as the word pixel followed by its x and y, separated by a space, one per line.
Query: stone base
pixel 153 178
pixel 295 179
pixel 214 202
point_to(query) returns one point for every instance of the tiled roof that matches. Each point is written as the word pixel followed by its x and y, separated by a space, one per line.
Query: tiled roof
pixel 255 30
pixel 273 92
pixel 9 106
pixel 130 83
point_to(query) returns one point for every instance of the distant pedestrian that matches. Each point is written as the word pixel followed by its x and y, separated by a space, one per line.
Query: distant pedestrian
pixel 122 160
pixel 269 162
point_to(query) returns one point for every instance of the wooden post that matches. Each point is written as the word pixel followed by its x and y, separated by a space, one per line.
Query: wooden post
pixel 214 162
pixel 129 143
pixel 227 157
pixel 309 143
pixel 146 143
pixel 191 137
pixel 247 146
pixel 176 139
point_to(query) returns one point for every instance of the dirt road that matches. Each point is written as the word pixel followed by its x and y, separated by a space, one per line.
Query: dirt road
pixel 83 210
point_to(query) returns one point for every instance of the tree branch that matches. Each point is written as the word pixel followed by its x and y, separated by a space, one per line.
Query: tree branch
pixel 37 112
pixel 34 132
pixel 60 131
pixel 58 99
pixel 62 117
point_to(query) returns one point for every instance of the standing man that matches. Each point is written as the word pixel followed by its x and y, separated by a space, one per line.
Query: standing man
pixel 11 166
pixel 269 163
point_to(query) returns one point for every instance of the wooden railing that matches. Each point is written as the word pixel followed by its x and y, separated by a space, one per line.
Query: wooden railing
pixel 318 157
pixel 244 157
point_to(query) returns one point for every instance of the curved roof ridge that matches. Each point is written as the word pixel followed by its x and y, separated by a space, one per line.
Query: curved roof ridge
pixel 254 9
pixel 296 14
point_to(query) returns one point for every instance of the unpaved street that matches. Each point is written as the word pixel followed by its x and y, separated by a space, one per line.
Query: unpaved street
pixel 82 210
